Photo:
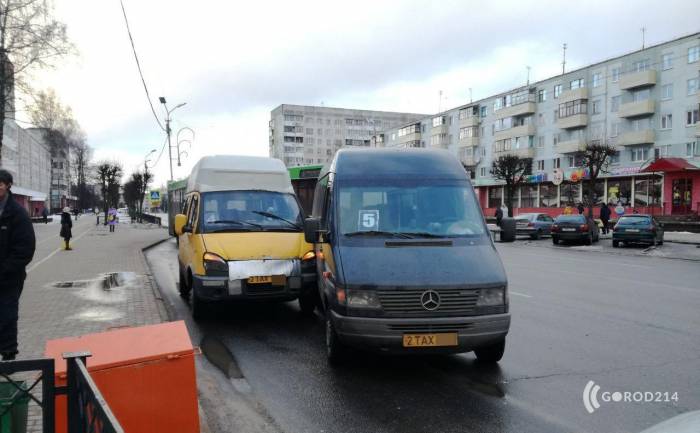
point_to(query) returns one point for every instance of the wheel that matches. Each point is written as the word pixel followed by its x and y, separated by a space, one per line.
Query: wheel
pixel 183 288
pixel 334 348
pixel 588 240
pixel 491 353
pixel 616 244
pixel 661 241
pixel 307 303
pixel 555 240
pixel 536 235
pixel 597 238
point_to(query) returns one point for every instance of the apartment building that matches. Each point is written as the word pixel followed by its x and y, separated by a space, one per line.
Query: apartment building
pixel 645 103
pixel 305 135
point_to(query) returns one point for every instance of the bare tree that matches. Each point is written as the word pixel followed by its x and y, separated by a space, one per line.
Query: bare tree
pixel 596 158
pixel 512 169
pixel 131 194
pixel 109 175
pixel 30 39
pixel 81 168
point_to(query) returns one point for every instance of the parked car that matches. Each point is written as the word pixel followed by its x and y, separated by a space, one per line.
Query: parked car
pixel 533 224
pixel 575 228
pixel 383 220
pixel 638 228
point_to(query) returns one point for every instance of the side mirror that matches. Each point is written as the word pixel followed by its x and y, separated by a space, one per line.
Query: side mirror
pixel 180 221
pixel 311 228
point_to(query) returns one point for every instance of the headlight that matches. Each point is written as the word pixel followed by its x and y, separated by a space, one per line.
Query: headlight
pixel 491 297
pixel 362 299
pixel 214 264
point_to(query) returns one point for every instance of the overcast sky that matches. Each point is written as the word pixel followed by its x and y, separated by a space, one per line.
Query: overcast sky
pixel 233 62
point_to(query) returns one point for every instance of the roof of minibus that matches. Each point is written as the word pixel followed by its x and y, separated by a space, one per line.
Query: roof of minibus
pixel 397 163
pixel 234 172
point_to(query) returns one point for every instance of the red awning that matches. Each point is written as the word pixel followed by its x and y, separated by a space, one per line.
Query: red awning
pixel 669 165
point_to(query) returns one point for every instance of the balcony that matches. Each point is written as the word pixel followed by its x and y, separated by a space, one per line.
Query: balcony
pixel 637 109
pixel 632 138
pixel 410 137
pixel 469 121
pixel 571 146
pixel 528 152
pixel 440 129
pixel 633 80
pixel 469 142
pixel 573 95
pixel 525 106
pixel 516 131
pixel 571 122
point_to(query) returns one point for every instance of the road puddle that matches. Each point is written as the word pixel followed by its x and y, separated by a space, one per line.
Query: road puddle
pixel 98 293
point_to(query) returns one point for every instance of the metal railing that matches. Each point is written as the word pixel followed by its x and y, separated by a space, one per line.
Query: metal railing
pixel 87 410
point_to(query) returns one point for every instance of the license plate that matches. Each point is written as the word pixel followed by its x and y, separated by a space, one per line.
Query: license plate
pixel 260 280
pixel 568 230
pixel 430 340
pixel 632 230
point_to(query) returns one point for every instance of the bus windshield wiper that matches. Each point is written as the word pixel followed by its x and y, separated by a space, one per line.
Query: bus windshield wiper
pixel 234 222
pixel 277 217
pixel 379 233
pixel 422 235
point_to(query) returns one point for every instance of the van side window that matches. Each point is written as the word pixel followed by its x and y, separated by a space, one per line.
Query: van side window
pixel 186 206
pixel 192 215
pixel 320 196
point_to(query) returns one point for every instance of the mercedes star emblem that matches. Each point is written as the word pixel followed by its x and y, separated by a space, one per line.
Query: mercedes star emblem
pixel 430 300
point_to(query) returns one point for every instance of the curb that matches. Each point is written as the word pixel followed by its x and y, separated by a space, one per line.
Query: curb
pixel 166 313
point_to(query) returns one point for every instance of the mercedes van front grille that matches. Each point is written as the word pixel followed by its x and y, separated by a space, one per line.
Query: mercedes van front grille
pixel 453 301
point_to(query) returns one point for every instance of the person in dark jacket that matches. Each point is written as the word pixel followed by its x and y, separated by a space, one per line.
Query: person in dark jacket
pixel 499 216
pixel 66 226
pixel 17 244
pixel 605 216
pixel 580 208
pixel 45 214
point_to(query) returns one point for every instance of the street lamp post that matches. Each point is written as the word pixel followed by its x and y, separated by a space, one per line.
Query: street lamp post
pixel 167 130
pixel 189 142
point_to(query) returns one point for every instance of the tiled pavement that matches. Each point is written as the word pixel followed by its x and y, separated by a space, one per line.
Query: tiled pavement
pixel 49 310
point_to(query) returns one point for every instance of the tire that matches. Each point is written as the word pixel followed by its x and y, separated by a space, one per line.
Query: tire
pixel 198 306
pixel 555 240
pixel 588 240
pixel 536 235
pixel 335 351
pixel 616 244
pixel 307 303
pixel 661 241
pixel 491 353
pixel 183 288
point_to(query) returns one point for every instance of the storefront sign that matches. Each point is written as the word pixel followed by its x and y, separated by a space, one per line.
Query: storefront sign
pixel 576 175
pixel 621 171
pixel 558 176
pixel 536 178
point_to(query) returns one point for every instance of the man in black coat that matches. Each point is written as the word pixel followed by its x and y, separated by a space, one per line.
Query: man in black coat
pixel 17 244
pixel 605 217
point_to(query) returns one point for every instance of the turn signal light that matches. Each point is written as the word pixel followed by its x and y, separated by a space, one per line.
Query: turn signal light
pixel 340 293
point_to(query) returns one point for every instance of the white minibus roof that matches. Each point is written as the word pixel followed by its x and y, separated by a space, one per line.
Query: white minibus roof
pixel 234 172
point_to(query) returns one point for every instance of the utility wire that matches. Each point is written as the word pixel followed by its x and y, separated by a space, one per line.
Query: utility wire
pixel 161 152
pixel 138 65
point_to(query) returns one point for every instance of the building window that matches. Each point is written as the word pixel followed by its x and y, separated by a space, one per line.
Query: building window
pixel 484 111
pixel 640 66
pixel 640 154
pixel 691 149
pixel 667 92
pixel 615 72
pixel 577 84
pixel 620 191
pixel 647 191
pixel 557 90
pixel 662 151
pixel 615 158
pixel 641 95
pixel 692 86
pixel 596 107
pixel 573 108
pixel 570 193
pixel 556 163
pixel 693 54
pixel 614 129
pixel 528 196
pixel 667 61
pixel 468 132
pixel 438 121
pixel 691 117
pixel 482 172
pixel 540 142
pixel 614 104
pixel 666 121
pixel 548 195
pixel 540 165
pixel 597 79
pixel 556 138
pixel 542 95
pixel 495 196
pixel 571 160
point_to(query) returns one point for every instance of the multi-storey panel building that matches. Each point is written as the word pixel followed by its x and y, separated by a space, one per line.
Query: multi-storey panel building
pixel 644 103
pixel 302 135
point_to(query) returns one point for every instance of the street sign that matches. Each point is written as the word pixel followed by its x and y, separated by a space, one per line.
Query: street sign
pixel 558 176
pixel 155 198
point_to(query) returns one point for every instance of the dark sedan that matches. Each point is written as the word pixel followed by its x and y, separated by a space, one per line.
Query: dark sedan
pixel 574 228
pixel 533 224
pixel 639 229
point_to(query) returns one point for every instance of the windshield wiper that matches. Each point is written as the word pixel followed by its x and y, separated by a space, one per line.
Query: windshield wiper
pixel 277 217
pixel 422 235
pixel 379 232
pixel 234 222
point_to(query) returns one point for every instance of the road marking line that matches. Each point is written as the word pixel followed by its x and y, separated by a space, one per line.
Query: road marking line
pixel 520 294
pixel 33 266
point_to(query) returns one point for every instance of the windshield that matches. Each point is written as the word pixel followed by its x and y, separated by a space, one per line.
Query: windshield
pixel 249 211
pixel 414 208
pixel 571 219
pixel 633 220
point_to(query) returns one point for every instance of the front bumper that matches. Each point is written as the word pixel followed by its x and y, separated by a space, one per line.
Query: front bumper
pixel 386 335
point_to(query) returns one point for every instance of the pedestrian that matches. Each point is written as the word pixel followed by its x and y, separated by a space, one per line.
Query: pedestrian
pixel 568 210
pixel 112 219
pixel 76 212
pixel 66 226
pixel 580 208
pixel 36 212
pixel 17 244
pixel 605 217
pixel 499 216
pixel 45 214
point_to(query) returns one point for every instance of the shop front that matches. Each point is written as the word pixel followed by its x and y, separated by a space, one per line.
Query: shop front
pixel 32 201
pixel 681 187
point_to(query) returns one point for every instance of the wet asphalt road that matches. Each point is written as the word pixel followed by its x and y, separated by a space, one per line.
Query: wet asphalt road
pixel 627 323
